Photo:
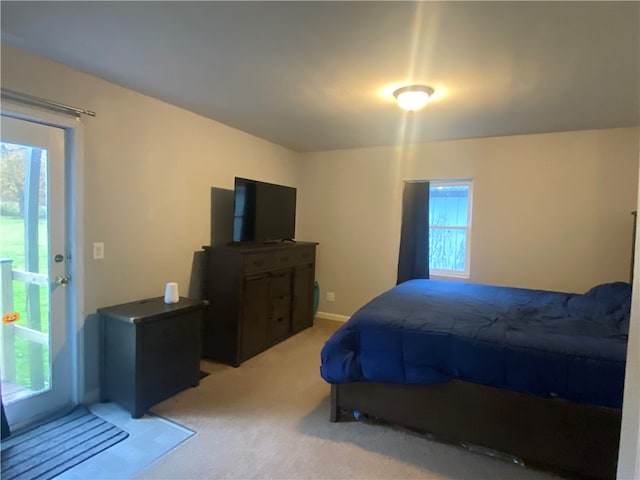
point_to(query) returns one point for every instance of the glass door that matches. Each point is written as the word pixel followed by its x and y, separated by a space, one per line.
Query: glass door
pixel 35 354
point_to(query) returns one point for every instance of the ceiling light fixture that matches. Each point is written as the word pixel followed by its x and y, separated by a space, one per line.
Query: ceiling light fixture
pixel 413 97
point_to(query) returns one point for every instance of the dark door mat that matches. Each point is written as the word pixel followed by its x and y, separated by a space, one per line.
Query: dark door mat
pixel 50 449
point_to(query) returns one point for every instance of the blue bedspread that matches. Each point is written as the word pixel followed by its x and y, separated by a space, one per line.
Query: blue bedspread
pixel 543 343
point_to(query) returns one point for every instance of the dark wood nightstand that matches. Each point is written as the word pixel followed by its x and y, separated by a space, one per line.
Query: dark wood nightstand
pixel 150 351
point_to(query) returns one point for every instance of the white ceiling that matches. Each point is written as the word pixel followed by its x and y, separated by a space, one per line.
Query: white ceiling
pixel 312 75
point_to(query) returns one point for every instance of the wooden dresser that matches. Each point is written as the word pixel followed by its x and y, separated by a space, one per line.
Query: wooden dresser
pixel 258 296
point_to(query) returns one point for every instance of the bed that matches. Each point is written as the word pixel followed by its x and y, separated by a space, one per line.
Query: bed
pixel 536 375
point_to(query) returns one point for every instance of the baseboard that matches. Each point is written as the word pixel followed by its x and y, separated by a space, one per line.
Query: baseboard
pixel 332 316
pixel 91 397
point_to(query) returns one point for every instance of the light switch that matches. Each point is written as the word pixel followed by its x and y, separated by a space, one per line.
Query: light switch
pixel 98 250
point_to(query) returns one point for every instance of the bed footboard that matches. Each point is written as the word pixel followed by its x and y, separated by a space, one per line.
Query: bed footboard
pixel 550 434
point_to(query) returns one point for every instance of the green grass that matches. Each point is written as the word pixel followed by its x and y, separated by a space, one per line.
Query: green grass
pixel 12 246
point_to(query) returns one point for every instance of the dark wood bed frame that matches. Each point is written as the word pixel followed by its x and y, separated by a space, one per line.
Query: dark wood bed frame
pixel 576 440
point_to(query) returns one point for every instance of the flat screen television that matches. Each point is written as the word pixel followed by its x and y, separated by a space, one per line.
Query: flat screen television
pixel 263 212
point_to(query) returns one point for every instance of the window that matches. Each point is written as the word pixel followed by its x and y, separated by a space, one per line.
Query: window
pixel 449 227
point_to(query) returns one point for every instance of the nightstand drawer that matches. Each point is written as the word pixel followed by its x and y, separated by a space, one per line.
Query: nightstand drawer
pixel 158 333
pixel 177 358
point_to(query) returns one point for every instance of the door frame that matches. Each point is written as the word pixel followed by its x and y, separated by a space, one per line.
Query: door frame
pixel 74 230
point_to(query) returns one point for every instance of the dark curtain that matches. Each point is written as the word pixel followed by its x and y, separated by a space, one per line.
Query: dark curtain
pixel 413 258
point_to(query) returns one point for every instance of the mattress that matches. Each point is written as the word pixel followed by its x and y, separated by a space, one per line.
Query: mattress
pixel 550 344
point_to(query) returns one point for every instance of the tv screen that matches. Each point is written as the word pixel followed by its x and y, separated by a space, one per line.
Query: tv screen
pixel 263 212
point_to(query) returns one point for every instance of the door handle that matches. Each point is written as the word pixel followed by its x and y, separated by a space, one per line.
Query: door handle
pixel 63 281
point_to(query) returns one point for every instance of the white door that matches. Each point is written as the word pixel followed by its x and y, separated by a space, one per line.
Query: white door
pixel 35 334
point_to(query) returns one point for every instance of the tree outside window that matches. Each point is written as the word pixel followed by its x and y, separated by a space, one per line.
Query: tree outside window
pixel 449 227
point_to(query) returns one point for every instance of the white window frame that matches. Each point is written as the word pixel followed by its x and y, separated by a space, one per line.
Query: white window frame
pixel 435 272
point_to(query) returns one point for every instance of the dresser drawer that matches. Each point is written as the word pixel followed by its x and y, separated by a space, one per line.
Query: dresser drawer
pixel 294 255
pixel 281 284
pixel 258 262
pixel 285 258
pixel 303 255
pixel 280 321
pixel 281 307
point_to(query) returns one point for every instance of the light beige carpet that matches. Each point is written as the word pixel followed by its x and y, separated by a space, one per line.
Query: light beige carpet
pixel 269 419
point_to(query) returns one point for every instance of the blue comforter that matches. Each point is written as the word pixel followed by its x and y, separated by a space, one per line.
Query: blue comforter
pixel 543 343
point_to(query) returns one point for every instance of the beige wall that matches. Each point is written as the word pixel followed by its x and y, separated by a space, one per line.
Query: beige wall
pixel 550 211
pixel 148 172
pixel 149 168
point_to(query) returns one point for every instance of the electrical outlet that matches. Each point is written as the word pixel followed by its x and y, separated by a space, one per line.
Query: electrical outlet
pixel 98 251
pixel 331 297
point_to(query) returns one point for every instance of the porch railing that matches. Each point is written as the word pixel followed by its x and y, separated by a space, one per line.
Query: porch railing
pixel 36 339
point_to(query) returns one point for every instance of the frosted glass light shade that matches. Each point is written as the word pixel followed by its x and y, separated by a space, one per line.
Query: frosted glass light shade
pixel 413 97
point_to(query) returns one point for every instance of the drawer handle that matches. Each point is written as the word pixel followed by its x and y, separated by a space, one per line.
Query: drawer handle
pixel 280 319
pixel 257 263
pixel 284 259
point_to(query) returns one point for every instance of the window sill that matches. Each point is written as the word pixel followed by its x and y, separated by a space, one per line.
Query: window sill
pixel 449 276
